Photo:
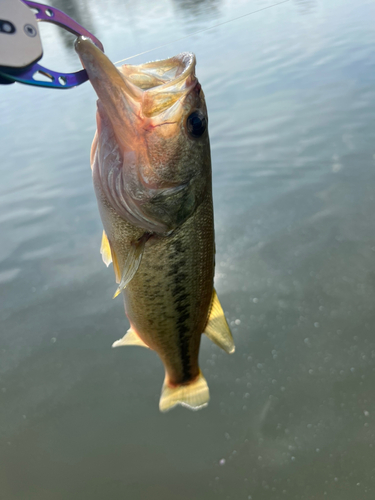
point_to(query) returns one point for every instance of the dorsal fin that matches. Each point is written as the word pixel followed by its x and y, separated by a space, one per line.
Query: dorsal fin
pixel 105 250
pixel 108 256
pixel 217 328
pixel 130 338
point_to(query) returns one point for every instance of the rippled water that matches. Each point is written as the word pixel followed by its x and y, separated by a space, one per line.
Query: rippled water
pixel 291 98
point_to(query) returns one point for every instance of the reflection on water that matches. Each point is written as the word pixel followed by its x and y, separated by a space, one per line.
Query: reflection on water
pixel 291 100
pixel 204 10
pixel 306 6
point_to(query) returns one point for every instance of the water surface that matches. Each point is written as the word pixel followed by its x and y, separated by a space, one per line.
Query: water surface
pixel 291 98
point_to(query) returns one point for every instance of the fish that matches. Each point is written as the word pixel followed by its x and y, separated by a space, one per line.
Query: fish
pixel 151 167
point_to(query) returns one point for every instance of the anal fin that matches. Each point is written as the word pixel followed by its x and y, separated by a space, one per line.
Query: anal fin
pixel 105 250
pixel 132 262
pixel 193 396
pixel 217 328
pixel 130 338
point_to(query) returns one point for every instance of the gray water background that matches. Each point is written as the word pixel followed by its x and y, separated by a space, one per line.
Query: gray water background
pixel 291 99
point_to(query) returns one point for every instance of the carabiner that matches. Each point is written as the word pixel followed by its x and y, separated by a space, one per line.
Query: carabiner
pixel 56 79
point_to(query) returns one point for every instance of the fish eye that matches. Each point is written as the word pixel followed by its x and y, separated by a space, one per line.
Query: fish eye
pixel 196 124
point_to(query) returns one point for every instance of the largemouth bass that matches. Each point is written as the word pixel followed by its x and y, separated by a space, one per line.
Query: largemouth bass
pixel 152 177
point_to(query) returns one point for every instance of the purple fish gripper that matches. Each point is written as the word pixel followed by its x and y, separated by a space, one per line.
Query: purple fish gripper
pixel 56 79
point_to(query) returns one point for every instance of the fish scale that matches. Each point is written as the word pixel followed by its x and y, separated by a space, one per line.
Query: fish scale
pixel 152 178
pixel 177 307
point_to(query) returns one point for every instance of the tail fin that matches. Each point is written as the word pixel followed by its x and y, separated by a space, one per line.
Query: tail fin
pixel 193 396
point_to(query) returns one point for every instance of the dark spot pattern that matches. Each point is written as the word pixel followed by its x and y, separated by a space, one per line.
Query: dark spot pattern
pixel 181 305
pixel 178 289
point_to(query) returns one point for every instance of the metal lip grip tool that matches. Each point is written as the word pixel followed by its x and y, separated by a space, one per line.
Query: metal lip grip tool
pixel 21 45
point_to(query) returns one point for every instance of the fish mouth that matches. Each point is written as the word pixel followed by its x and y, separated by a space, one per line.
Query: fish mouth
pixel 142 136
pixel 152 92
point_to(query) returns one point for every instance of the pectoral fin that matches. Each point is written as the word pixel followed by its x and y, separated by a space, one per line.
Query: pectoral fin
pixel 217 328
pixel 132 262
pixel 116 267
pixel 130 338
pixel 105 250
